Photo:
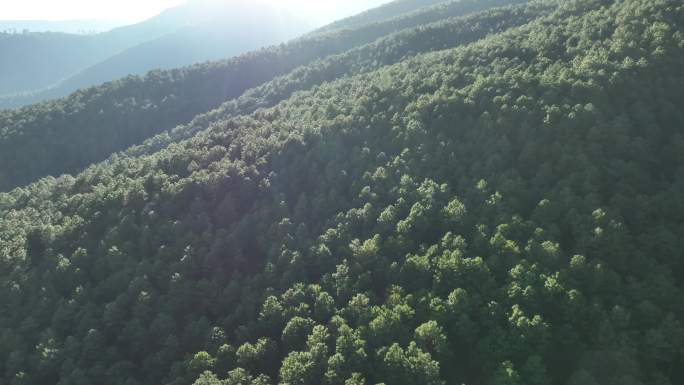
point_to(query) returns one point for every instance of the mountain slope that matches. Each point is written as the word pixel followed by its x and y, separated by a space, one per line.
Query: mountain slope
pixel 502 212
pixel 64 26
pixel 40 66
pixel 33 61
pixel 91 124
pixel 24 63
pixel 204 31
pixel 381 13
pixel 447 33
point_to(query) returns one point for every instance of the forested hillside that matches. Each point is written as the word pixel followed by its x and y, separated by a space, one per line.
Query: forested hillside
pixel 494 199
pixel 89 125
pixel 386 11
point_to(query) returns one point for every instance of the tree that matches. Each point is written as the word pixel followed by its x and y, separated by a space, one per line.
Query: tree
pixel 297 369
pixel 410 366
pixel 355 379
pixel 430 337
pixel 258 357
pixel 296 332
pixel 201 362
pixel 506 375
pixel 208 378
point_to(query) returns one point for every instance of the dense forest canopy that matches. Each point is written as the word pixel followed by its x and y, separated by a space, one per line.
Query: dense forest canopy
pixel 495 198
pixel 89 125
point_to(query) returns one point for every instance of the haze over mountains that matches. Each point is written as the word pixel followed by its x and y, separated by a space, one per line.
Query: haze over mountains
pixel 40 66
pixel 66 26
pixel 477 192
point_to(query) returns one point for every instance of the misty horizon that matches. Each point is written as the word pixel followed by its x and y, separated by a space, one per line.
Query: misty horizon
pixel 74 17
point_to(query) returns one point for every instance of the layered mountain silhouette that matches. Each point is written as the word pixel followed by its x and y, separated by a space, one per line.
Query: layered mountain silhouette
pixel 41 66
pixel 483 192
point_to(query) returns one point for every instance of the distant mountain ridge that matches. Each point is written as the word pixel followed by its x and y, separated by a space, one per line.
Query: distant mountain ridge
pixel 37 60
pixel 55 65
pixel 383 12
pixel 482 192
pixel 66 26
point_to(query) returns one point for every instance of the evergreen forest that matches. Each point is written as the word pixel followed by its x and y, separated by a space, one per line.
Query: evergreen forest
pixel 476 192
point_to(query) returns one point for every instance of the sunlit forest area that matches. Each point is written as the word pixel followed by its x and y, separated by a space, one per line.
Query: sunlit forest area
pixel 476 192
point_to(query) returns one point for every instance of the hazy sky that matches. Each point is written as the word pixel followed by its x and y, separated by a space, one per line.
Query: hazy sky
pixel 318 11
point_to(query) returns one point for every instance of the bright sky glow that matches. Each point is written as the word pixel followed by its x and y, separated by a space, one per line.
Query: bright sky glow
pixel 124 10
pixel 317 11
